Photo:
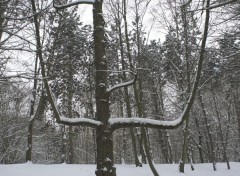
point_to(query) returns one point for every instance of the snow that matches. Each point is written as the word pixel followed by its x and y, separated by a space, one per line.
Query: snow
pixel 80 120
pixel 29 169
pixel 145 121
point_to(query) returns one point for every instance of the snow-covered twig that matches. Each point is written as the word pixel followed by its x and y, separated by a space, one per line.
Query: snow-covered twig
pixel 79 121
pixel 123 84
pixel 72 4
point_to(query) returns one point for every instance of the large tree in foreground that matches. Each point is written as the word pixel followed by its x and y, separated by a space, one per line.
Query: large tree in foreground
pixel 103 124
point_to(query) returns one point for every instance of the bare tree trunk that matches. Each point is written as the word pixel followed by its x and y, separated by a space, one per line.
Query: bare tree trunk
pixel 141 114
pixel 200 142
pixel 132 67
pixel 237 109
pixel 64 145
pixel 224 152
pixel 32 115
pixel 70 115
pixel 126 95
pixel 104 134
pixel 187 57
pixel 212 152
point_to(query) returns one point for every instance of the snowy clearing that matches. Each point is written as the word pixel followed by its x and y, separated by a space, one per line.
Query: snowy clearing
pixel 29 169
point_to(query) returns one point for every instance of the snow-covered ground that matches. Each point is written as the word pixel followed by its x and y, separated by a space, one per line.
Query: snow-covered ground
pixel 30 169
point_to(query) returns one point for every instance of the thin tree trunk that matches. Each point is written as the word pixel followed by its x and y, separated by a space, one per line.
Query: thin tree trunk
pixel 70 115
pixel 199 144
pixel 237 109
pixel 187 57
pixel 209 134
pixel 64 145
pixel 32 115
pixel 126 95
pixel 224 152
pixel 132 67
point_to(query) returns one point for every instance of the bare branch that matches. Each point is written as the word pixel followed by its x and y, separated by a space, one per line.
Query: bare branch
pixel 30 16
pixel 19 49
pixel 73 4
pixel 222 4
pixel 216 5
pixel 123 84
pixel 19 75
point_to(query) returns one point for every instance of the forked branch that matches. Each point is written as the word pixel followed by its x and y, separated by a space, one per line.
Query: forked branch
pixel 117 123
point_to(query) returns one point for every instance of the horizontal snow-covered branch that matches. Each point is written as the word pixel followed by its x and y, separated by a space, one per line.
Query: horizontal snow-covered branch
pixel 123 84
pixel 72 4
pixel 71 121
pixel 79 121
pixel 117 123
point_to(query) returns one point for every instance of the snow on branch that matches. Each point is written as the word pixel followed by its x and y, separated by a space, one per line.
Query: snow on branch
pixel 123 84
pixel 72 4
pixel 79 121
pixel 69 121
pixel 143 122
pixel 117 123
pixel 60 119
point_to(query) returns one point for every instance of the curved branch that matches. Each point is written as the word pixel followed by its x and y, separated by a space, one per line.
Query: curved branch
pixel 73 4
pixel 59 118
pixel 117 123
pixel 123 84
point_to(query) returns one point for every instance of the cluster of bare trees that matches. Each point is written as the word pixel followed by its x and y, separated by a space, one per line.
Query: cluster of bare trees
pixel 107 93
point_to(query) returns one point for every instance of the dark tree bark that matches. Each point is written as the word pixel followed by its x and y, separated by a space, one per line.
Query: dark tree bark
pixel 32 115
pixel 104 132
